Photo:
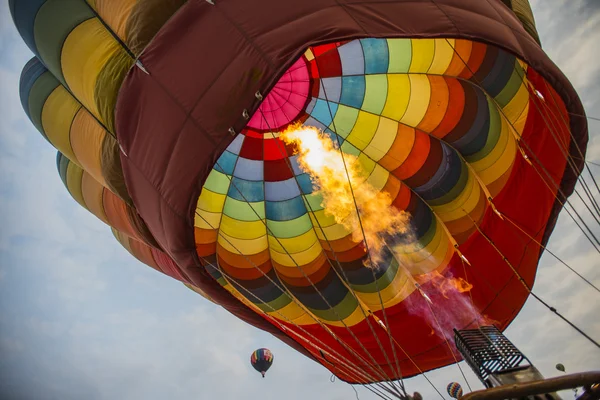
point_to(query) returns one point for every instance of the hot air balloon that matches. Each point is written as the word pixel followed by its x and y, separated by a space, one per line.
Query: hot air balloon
pixel 261 360
pixel 168 117
pixel 455 390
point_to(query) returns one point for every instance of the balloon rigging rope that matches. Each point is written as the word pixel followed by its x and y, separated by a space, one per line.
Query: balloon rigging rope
pixel 565 151
pixel 543 168
pixel 553 131
pixel 387 325
pixel 551 253
pixel 349 348
pixel 435 318
pixel 300 268
pixel 529 290
pixel 589 234
pixel 287 319
pixel 345 279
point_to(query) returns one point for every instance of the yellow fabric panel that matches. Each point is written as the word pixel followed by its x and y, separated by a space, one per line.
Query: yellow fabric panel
pixel 309 55
pixel 87 136
pixel 355 318
pixel 399 92
pixel 463 204
pixel 88 48
pixel 293 245
pixel 403 287
pixel 321 219
pixel 394 293
pixel 494 155
pixel 241 246
pixel 333 232
pixel 503 164
pixel 378 178
pixel 238 295
pixel 417 254
pixel 74 176
pixel 57 115
pixel 211 201
pixel 420 93
pixel 383 139
pixel 438 257
pixel 115 13
pixel 367 165
pixel 207 220
pixel 515 107
pixel 423 51
pixel 297 259
pixel 364 130
pixel 520 122
pixel 92 193
pixel 444 52
pixel 242 229
pixel 292 313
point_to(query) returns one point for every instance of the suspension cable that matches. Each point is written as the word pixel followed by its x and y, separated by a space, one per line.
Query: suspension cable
pixel 345 279
pixel 349 348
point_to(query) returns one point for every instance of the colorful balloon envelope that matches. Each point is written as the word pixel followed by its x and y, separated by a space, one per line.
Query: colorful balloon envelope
pixel 261 360
pixel 168 117
pixel 455 390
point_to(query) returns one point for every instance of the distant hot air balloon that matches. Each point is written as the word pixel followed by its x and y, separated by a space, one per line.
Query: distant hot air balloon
pixel 261 360
pixel 455 390
pixel 168 117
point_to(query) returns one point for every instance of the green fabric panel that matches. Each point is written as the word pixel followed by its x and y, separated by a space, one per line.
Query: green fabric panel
pixel 55 20
pixel 512 86
pixel 244 211
pixel 493 134
pixel 313 201
pixel 74 178
pixel 455 191
pixel 376 93
pixel 289 229
pixel 41 89
pixel 348 148
pixel 338 312
pixel 108 84
pixel 62 164
pixel 383 281
pixel 217 182
pixel 344 120
pixel 276 304
pixel 400 51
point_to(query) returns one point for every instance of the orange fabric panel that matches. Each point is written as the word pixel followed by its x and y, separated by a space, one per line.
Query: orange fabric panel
pixel 87 136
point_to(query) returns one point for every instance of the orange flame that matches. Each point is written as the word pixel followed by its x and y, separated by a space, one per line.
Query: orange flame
pixel 342 183
pixel 447 284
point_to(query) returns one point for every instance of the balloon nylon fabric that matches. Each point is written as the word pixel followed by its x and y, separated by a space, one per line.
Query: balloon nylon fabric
pixel 145 149
pixel 246 177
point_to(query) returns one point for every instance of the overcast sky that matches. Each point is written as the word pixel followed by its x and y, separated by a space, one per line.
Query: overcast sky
pixel 81 319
